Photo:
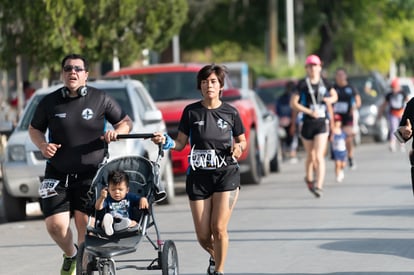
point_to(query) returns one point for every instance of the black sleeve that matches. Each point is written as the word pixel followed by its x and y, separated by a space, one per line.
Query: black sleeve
pixel 184 125
pixel 408 113
pixel 238 128
pixel 40 116
pixel 113 111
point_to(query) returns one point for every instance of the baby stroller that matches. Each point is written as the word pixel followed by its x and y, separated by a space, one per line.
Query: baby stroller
pixel 98 251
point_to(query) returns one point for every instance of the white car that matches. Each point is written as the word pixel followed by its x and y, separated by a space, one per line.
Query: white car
pixel 407 86
pixel 268 135
pixel 268 132
pixel 23 166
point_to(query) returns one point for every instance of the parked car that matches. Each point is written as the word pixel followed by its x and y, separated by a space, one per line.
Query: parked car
pixel 267 146
pixel 407 85
pixel 173 86
pixel 270 90
pixel 24 165
pixel 372 88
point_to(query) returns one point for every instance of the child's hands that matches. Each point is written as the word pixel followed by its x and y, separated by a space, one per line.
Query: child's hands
pixel 143 203
pixel 104 193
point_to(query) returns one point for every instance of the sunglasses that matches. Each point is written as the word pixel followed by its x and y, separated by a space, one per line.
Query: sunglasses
pixel 69 68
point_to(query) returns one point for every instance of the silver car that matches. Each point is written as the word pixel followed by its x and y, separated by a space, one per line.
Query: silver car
pixel 23 166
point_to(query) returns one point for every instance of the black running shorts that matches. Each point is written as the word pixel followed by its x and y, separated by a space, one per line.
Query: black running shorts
pixel 72 193
pixel 201 184
pixel 313 127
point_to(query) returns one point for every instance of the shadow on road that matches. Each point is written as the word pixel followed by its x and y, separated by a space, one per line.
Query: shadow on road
pixel 408 212
pixel 395 247
pixel 333 273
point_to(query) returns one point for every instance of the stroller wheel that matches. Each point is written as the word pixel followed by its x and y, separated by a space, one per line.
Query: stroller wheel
pixel 85 264
pixel 169 259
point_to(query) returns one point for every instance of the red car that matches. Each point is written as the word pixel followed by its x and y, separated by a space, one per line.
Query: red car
pixel 173 86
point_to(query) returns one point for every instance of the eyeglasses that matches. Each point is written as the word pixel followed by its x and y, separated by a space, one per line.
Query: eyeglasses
pixel 69 68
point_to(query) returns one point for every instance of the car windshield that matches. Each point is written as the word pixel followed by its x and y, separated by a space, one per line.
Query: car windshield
pixel 270 94
pixel 368 89
pixel 170 86
pixel 119 94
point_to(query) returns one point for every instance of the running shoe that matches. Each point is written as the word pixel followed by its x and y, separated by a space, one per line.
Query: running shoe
pixel 318 192
pixel 107 223
pixel 340 176
pixel 211 266
pixel 311 187
pixel 68 266
pixel 122 224
pixel 351 164
pixel 218 273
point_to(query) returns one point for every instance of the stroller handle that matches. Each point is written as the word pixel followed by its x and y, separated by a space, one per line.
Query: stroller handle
pixel 144 135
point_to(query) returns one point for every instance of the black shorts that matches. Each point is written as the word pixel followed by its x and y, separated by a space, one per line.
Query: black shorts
pixel 72 192
pixel 313 127
pixel 201 184
pixel 347 119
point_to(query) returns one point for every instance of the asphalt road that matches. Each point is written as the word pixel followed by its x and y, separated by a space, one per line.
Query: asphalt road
pixel 364 226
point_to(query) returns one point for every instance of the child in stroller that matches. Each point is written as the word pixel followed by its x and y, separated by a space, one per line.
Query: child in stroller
pixel 120 208
pixel 100 251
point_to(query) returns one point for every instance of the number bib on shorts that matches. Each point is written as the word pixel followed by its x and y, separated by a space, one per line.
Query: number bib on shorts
pixel 47 188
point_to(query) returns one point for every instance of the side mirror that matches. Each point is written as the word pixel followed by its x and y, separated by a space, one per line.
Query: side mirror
pixel 153 116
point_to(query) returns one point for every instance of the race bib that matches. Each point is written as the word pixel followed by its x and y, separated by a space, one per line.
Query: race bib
pixel 320 110
pixel 339 145
pixel 203 159
pixel 47 188
pixel 341 107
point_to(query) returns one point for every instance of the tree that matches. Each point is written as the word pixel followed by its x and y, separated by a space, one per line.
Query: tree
pixel 364 34
pixel 44 31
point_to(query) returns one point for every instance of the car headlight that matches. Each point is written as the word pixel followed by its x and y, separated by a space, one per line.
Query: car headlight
pixel 16 153
pixel 373 109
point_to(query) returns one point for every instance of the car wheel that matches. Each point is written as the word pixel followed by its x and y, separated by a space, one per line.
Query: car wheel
pixel 254 174
pixel 274 163
pixel 14 208
pixel 381 129
pixel 167 178
pixel 266 163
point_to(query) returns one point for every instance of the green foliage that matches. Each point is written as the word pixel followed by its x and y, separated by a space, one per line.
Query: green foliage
pixel 363 35
pixel 46 30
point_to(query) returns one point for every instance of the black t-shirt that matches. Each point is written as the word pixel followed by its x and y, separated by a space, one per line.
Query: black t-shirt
pixel 346 99
pixel 396 100
pixel 211 132
pixel 408 114
pixel 320 90
pixel 77 124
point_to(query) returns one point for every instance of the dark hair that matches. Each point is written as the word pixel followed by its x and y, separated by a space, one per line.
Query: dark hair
pixel 341 69
pixel 290 86
pixel 117 176
pixel 207 70
pixel 76 56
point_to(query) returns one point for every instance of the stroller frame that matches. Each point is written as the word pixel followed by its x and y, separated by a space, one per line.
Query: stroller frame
pixel 98 252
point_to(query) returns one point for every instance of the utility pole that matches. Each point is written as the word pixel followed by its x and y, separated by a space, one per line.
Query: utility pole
pixel 176 48
pixel 290 30
pixel 272 7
